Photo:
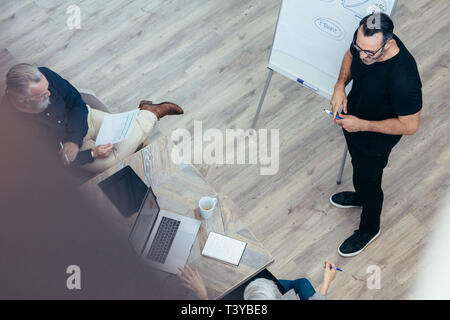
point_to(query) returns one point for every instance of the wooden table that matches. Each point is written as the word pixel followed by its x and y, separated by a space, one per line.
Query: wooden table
pixel 178 189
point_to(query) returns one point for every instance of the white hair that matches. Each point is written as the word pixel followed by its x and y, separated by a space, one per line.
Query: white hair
pixel 19 77
pixel 262 289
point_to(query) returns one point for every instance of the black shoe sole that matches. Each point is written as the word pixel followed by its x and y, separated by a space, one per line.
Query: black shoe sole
pixel 347 255
pixel 340 205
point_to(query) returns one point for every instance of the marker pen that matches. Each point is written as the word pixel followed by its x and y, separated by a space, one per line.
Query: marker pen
pixel 331 114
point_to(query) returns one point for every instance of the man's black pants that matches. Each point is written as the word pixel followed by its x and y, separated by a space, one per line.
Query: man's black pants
pixel 367 177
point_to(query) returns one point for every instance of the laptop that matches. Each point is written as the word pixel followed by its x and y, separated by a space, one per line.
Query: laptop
pixel 125 190
pixel 163 239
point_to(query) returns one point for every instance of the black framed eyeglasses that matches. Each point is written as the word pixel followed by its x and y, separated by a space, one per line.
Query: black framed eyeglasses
pixel 369 53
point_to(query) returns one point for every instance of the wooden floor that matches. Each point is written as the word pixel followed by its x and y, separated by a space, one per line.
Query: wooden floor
pixel 211 57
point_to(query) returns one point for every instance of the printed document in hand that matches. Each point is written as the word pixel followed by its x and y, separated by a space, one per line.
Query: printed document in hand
pixel 224 248
pixel 116 127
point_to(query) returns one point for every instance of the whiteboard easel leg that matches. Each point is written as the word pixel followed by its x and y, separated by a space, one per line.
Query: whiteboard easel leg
pixel 261 101
pixel 342 165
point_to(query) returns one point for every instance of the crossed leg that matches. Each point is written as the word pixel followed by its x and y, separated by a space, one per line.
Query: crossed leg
pixel 145 121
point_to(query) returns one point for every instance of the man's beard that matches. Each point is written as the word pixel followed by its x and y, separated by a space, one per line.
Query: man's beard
pixel 39 107
pixel 369 63
pixel 374 59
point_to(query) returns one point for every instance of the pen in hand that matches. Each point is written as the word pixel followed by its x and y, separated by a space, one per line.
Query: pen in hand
pixel 331 114
pixel 334 267
pixel 65 155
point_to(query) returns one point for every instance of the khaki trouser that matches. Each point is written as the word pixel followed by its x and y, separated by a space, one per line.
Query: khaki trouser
pixel 145 121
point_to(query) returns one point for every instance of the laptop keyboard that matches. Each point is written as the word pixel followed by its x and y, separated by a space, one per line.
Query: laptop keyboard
pixel 163 240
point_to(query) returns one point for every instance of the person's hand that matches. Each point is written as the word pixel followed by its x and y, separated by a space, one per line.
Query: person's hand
pixel 69 152
pixel 338 99
pixel 351 123
pixel 103 150
pixel 329 274
pixel 193 281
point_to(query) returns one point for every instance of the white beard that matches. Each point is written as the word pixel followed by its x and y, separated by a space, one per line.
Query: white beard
pixel 39 107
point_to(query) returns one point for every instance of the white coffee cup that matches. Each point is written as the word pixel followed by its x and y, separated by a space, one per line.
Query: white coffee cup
pixel 207 206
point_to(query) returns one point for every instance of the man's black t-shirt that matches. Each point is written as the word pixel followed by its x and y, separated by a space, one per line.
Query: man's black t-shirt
pixel 380 91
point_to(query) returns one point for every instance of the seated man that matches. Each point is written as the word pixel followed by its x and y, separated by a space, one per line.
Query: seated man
pixel 41 96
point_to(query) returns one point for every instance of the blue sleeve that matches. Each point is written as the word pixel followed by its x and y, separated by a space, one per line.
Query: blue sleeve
pixel 77 112
pixel 83 157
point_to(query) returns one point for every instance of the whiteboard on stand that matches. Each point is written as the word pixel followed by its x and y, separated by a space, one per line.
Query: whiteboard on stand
pixel 312 36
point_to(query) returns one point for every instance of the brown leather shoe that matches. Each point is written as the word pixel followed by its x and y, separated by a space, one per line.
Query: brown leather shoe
pixel 161 109
pixel 144 101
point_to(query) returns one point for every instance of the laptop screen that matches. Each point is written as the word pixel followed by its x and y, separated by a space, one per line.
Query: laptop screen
pixel 125 190
pixel 144 222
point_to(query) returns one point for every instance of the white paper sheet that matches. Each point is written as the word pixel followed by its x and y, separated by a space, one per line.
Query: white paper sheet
pixel 116 127
pixel 224 248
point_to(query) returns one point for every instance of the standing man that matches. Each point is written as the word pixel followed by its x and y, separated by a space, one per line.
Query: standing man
pixel 385 103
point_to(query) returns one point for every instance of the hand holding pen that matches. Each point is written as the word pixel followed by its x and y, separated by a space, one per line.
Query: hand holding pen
pixel 332 266
pixel 69 151
pixel 329 274
pixel 338 99
pixel 66 159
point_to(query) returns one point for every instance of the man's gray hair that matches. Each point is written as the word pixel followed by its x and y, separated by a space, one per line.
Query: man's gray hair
pixel 19 77
pixel 262 289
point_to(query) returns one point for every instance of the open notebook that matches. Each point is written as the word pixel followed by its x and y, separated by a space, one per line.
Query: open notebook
pixel 224 248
